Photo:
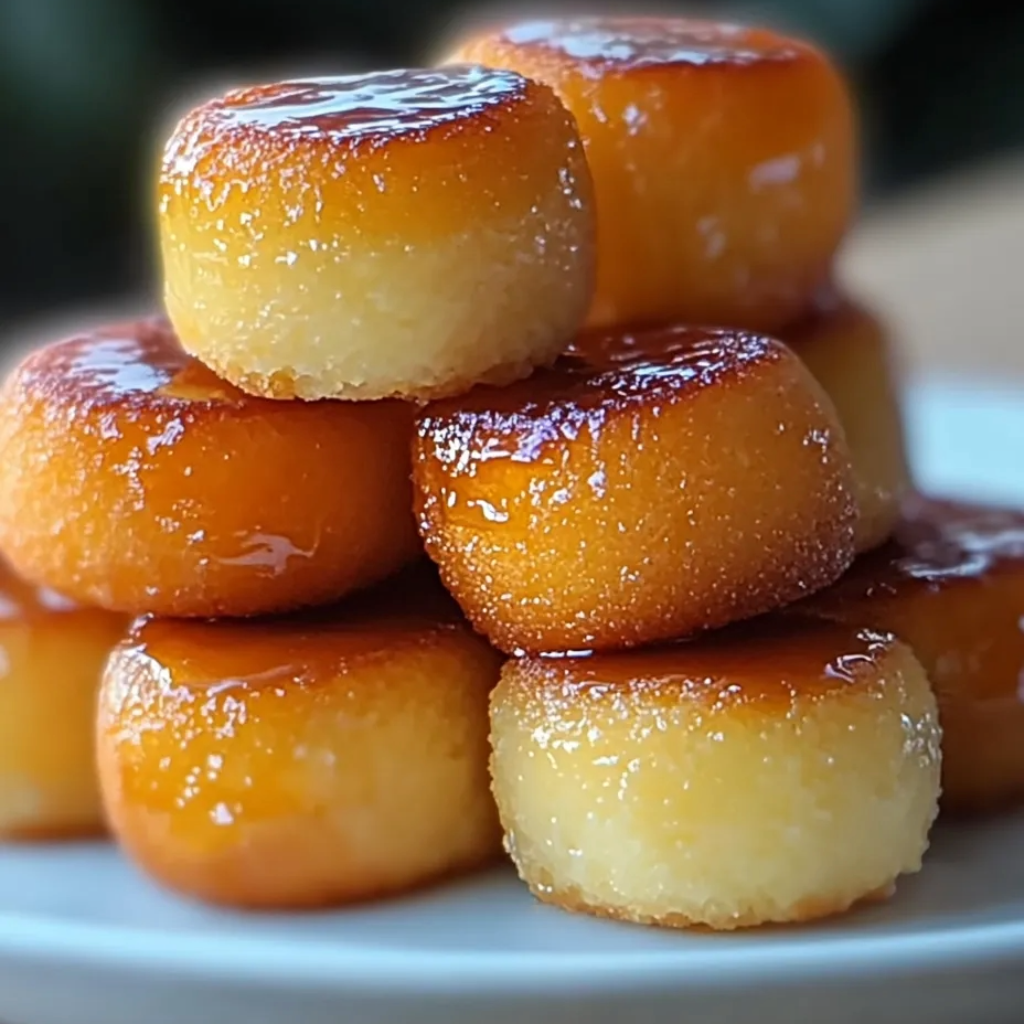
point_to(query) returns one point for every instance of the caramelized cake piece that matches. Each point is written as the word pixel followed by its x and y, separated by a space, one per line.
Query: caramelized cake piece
pixel 849 351
pixel 308 761
pixel 52 653
pixel 133 479
pixel 617 499
pixel 723 160
pixel 951 584
pixel 397 233
pixel 773 773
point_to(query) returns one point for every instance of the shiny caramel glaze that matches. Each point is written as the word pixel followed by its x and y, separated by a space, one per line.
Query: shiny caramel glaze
pixel 134 479
pixel 51 655
pixel 769 665
pixel 336 237
pixel 368 109
pixel 723 160
pixel 776 771
pixel 308 761
pixel 850 352
pixel 619 499
pixel 625 44
pixel 951 584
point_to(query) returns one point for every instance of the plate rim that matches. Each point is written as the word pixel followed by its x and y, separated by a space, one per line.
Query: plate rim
pixel 314 965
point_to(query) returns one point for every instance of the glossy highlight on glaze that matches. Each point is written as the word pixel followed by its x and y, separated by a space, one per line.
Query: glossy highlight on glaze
pixel 128 363
pixel 951 584
pixel 939 542
pixel 410 611
pixel 939 539
pixel 376 106
pixel 628 43
pixel 602 375
pixel 768 662
pixel 691 352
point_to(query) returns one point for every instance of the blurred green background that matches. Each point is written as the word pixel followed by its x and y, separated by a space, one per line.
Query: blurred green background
pixel 87 88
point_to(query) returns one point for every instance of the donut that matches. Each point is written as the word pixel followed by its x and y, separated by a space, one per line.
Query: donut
pixel 723 161
pixel 52 653
pixel 849 351
pixel 776 775
pixel 402 233
pixel 618 499
pixel 951 584
pixel 133 479
pixel 303 761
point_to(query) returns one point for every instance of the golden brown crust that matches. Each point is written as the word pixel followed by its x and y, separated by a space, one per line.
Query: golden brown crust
pixel 849 351
pixel 242 877
pixel 951 584
pixel 802 912
pixel 399 233
pixel 620 499
pixel 283 387
pixel 308 761
pixel 136 480
pixel 768 192
pixel 259 137
pixel 52 653
pixel 64 832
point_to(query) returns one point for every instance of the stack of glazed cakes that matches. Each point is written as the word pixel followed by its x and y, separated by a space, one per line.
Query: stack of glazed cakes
pixel 511 463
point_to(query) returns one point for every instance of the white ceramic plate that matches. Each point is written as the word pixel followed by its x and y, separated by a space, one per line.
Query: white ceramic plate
pixel 85 940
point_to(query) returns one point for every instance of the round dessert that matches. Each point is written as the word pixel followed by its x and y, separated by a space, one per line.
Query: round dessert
pixel 617 499
pixel 951 584
pixel 723 160
pixel 133 479
pixel 398 233
pixel 849 351
pixel 304 761
pixel 52 654
pixel 776 775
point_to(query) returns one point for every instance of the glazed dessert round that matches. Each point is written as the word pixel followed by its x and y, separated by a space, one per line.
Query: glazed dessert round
pixel 53 653
pixel 723 160
pixel 951 584
pixel 301 762
pixel 133 479
pixel 754 777
pixel 402 233
pixel 617 499
pixel 849 351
